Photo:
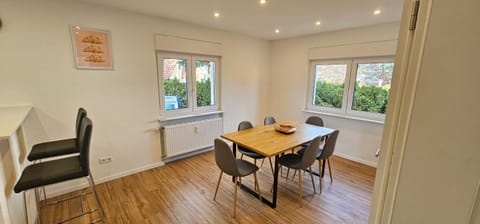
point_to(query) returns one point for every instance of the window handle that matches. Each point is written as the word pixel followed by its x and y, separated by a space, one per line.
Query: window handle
pixel 377 153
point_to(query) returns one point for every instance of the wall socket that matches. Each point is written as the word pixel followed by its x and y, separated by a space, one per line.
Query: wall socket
pixel 106 159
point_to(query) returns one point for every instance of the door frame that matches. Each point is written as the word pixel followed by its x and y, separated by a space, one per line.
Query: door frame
pixel 408 61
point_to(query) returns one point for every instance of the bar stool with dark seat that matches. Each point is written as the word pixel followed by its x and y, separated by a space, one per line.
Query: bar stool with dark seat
pixel 60 170
pixel 60 147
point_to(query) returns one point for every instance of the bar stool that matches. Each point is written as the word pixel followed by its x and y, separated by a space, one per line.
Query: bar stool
pixel 60 170
pixel 60 147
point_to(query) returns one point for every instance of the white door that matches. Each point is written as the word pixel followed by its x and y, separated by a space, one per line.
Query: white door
pixel 429 168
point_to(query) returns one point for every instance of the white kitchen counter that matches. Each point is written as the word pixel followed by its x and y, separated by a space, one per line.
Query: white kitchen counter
pixel 11 118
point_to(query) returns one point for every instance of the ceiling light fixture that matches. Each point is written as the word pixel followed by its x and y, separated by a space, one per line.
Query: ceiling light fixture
pixel 277 31
pixel 263 2
pixel 377 12
pixel 317 23
pixel 216 14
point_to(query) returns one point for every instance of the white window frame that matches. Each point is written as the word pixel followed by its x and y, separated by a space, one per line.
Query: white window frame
pixel 349 88
pixel 191 84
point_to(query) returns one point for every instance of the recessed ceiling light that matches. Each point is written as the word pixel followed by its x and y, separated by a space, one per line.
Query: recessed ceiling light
pixel 317 23
pixel 376 12
pixel 216 14
pixel 277 31
pixel 263 2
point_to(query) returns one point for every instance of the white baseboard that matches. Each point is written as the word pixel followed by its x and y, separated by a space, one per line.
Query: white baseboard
pixel 69 189
pixel 353 158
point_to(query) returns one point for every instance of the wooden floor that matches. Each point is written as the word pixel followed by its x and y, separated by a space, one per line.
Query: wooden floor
pixel 182 192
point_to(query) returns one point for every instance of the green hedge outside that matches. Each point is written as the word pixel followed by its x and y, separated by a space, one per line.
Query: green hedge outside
pixel 366 98
pixel 173 87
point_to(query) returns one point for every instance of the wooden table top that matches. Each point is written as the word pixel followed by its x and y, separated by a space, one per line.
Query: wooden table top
pixel 268 142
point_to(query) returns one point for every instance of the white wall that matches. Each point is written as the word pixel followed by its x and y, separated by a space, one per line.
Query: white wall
pixel 439 173
pixel 36 68
pixel 358 140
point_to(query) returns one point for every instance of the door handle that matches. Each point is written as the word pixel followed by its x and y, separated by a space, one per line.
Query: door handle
pixel 377 153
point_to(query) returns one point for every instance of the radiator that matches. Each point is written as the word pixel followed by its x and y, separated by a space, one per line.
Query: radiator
pixel 187 137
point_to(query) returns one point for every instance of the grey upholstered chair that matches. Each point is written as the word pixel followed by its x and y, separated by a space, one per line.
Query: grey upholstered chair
pixel 244 151
pixel 60 170
pixel 301 162
pixel 323 155
pixel 314 120
pixel 234 167
pixel 59 147
pixel 269 120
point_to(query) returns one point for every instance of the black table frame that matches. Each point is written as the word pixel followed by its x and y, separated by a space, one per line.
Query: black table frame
pixel 273 202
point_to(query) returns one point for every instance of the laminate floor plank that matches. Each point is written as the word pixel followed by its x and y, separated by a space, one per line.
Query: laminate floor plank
pixel 182 192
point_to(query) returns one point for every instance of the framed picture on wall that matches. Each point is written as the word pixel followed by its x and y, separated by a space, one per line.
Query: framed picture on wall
pixel 91 48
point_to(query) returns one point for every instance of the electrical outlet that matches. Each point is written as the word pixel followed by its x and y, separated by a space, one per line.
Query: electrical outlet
pixel 106 159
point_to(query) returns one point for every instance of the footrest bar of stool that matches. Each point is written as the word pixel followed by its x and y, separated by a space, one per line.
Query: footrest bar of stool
pixel 69 198
pixel 78 216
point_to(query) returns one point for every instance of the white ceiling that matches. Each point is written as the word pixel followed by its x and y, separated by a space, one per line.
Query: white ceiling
pixel 291 17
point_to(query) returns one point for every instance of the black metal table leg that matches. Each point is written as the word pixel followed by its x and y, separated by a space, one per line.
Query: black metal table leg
pixel 275 183
pixel 273 203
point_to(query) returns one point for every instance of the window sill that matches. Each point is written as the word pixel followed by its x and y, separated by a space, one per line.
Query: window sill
pixel 171 118
pixel 345 116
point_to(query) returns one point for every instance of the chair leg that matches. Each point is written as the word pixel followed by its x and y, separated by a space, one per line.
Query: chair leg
pixel 241 156
pixel 25 204
pixel 37 200
pixel 218 185
pixel 300 189
pixel 330 170
pixel 313 182
pixel 99 205
pixel 257 187
pixel 320 173
pixel 235 198
pixel 271 165
pixel 294 173
pixel 263 160
pixel 288 171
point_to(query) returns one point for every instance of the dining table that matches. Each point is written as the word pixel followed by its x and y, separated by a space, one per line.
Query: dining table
pixel 267 141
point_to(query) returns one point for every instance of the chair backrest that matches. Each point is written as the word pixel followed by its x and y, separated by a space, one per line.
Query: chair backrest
pixel 310 153
pixel 269 120
pixel 244 125
pixel 224 158
pixel 84 144
pixel 80 115
pixel 314 120
pixel 329 145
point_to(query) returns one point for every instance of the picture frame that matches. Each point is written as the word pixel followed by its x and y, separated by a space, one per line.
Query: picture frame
pixel 91 48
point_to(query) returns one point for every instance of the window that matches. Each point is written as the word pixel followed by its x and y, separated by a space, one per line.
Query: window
pixel 356 87
pixel 187 83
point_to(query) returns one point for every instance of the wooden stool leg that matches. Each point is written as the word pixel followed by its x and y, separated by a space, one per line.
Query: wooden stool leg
pixel 271 166
pixel 218 184
pixel 330 170
pixel 313 182
pixel 320 174
pixel 235 198
pixel 257 187
pixel 300 189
